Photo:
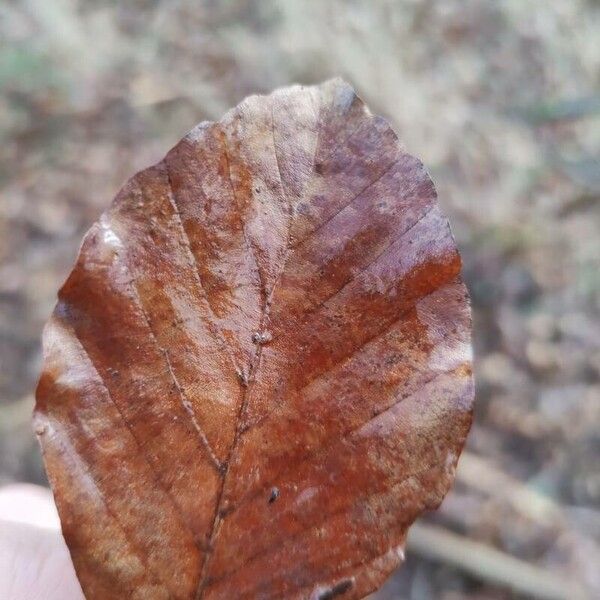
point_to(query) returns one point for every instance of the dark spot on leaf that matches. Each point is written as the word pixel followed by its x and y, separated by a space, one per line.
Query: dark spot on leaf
pixel 274 495
pixel 337 590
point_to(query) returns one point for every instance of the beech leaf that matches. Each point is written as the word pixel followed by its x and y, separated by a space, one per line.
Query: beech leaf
pixel 258 373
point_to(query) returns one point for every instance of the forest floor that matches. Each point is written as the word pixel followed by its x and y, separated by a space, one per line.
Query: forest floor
pixel 501 101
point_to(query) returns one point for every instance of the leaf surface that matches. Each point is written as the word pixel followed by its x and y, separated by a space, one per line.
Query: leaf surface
pixel 258 373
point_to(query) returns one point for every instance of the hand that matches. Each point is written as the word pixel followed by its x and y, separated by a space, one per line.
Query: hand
pixel 34 560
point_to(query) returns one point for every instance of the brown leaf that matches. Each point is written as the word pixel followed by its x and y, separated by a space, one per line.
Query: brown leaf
pixel 259 372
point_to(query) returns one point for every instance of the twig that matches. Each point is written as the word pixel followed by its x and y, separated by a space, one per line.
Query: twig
pixel 480 474
pixel 488 564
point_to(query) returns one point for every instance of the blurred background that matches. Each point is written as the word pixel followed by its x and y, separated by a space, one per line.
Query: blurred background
pixel 501 101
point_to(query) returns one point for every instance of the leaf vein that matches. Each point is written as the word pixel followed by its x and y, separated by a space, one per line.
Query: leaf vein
pixel 357 274
pixel 326 447
pixel 112 515
pixel 247 242
pixel 337 212
pixel 214 327
pixel 280 546
pixel 157 477
pixel 355 351
pixel 183 398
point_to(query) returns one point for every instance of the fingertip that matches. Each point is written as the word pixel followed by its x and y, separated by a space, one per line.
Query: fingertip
pixel 29 504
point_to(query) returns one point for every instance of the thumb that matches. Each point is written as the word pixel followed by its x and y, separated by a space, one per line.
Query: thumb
pixel 34 560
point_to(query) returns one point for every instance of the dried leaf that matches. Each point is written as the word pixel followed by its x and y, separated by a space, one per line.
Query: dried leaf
pixel 259 372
